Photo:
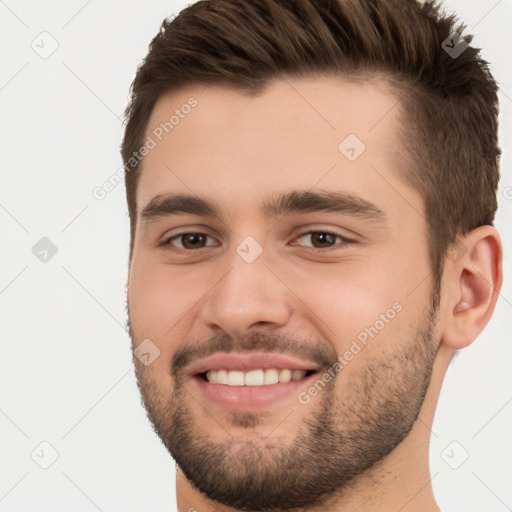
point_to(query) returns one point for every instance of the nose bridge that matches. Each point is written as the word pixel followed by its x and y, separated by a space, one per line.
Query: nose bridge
pixel 248 293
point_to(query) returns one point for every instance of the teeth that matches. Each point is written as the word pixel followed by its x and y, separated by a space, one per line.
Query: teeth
pixel 286 376
pixel 236 379
pixel 271 377
pixel 253 377
pixel 298 374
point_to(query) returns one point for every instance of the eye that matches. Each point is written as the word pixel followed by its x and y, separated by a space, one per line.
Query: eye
pixel 196 240
pixel 323 239
pixel 188 241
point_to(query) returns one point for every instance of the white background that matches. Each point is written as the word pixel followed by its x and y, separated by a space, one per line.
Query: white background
pixel 66 372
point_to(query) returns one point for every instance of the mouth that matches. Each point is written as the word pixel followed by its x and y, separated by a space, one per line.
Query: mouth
pixel 251 381
pixel 258 377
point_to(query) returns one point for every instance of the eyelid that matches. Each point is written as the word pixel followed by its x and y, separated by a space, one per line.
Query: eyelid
pixel 343 232
pixel 199 228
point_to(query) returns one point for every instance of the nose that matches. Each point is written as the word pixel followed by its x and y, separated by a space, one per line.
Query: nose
pixel 246 296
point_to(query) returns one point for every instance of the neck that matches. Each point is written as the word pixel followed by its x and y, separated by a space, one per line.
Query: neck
pixel 400 482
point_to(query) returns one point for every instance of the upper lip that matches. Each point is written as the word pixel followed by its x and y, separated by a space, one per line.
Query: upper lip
pixel 249 361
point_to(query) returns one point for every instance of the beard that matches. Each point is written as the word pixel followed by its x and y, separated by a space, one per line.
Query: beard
pixel 351 426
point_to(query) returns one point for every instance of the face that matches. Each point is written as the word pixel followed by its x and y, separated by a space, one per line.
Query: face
pixel 280 285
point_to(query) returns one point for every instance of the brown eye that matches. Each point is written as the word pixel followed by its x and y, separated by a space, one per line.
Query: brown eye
pixel 323 239
pixel 188 241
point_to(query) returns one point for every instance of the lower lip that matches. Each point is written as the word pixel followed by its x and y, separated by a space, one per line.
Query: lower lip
pixel 249 397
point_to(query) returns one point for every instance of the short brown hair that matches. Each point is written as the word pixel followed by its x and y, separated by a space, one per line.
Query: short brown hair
pixel 451 104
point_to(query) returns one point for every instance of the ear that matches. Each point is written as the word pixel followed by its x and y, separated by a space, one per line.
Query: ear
pixel 472 277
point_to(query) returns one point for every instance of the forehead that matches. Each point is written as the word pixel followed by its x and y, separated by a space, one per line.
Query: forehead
pixel 299 133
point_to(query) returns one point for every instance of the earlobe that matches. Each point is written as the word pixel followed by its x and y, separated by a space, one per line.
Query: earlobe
pixel 475 281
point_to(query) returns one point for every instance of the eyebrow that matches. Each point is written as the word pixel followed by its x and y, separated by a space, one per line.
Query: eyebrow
pixel 296 201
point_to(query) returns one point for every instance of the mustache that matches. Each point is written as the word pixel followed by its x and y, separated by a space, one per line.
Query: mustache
pixel 306 348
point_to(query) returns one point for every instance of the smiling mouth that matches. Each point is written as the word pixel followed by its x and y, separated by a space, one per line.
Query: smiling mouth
pixel 254 378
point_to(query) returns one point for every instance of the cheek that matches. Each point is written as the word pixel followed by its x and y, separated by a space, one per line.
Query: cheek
pixel 163 293
pixel 162 301
pixel 355 303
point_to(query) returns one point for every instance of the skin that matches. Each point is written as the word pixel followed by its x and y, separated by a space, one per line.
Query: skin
pixel 237 150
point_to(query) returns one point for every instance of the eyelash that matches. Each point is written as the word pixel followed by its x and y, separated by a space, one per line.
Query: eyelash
pixel 166 243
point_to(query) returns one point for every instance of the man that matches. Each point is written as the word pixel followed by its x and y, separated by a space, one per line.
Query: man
pixel 311 189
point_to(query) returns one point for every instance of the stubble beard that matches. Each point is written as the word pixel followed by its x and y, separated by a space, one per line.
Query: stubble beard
pixel 346 431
